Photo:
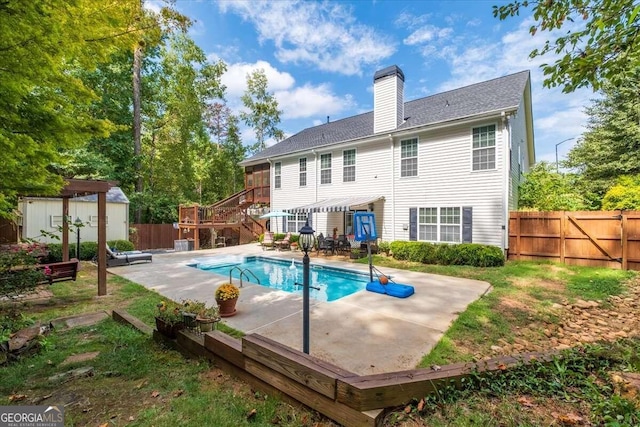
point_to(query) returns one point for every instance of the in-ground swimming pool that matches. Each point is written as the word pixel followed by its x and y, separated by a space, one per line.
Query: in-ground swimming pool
pixel 334 283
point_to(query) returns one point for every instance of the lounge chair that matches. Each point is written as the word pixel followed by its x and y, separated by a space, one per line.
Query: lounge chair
pixel 267 241
pixel 284 243
pixel 115 259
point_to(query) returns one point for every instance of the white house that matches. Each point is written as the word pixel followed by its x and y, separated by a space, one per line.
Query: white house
pixel 444 168
pixel 42 213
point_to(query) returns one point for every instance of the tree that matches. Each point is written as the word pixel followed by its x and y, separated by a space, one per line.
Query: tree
pixel 610 146
pixel 545 190
pixel 601 42
pixel 263 115
pixel 624 195
pixel 43 103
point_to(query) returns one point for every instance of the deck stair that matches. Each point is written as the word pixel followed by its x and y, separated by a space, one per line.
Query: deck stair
pixel 228 216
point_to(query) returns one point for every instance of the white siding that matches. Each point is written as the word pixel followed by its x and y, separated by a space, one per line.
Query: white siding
pixel 37 214
pixel 445 179
pixel 388 104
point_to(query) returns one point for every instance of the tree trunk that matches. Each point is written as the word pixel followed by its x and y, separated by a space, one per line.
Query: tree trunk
pixel 137 123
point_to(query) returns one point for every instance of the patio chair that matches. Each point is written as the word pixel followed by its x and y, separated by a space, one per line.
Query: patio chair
pixel 342 244
pixel 267 241
pixel 284 243
pixel 324 245
pixel 115 259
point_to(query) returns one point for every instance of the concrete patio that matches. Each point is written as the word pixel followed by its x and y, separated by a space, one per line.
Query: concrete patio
pixel 364 333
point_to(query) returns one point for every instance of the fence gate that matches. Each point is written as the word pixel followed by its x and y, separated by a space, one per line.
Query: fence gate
pixel 592 238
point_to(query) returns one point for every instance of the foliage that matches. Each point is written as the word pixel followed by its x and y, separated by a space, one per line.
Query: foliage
pixel 12 321
pixel 448 254
pixel 609 147
pixel 226 292
pixel 263 115
pixel 582 374
pixel 544 189
pixel 193 306
pixel 18 270
pixel 88 250
pixel 599 42
pixel 169 312
pixel 44 104
pixel 624 195
pixel 384 247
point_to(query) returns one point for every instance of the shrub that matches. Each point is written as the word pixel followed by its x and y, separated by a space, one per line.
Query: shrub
pixel 88 250
pixel 18 271
pixel 448 254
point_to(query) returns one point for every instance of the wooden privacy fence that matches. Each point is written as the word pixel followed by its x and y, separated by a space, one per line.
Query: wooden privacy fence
pixel 591 238
pixel 153 236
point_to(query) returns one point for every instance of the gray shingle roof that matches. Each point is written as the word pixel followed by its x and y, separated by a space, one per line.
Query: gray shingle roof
pixel 114 195
pixel 499 94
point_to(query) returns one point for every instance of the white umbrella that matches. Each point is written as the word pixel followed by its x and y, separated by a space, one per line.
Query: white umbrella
pixel 276 214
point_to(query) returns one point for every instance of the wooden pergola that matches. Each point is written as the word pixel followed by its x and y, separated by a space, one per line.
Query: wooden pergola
pixel 77 188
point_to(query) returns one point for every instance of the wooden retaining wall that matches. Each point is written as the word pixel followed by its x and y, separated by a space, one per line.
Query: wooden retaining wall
pixel 348 398
pixel 591 238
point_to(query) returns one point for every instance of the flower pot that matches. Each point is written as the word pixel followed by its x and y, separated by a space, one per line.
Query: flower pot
pixel 227 307
pixel 206 325
pixel 170 330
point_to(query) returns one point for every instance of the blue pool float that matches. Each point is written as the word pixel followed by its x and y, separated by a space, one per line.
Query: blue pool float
pixel 393 289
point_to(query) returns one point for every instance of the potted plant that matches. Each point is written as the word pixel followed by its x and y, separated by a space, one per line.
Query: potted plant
pixel 169 319
pixel 207 317
pixel 226 297
pixel 190 310
pixel 356 253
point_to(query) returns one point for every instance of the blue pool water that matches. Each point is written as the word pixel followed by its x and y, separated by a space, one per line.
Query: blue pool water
pixel 334 283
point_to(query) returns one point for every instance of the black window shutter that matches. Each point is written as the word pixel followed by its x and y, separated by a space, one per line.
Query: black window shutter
pixel 467 224
pixel 413 223
pixel 310 219
pixel 284 224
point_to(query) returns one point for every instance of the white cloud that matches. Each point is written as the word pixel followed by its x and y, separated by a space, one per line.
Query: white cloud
pixel 427 34
pixel 323 34
pixel 472 59
pixel 235 79
pixel 310 101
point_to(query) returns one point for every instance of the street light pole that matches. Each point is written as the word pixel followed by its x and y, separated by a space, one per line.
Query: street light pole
pixel 565 140
pixel 78 224
pixel 306 241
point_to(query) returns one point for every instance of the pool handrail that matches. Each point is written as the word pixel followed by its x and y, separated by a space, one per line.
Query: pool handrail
pixel 242 272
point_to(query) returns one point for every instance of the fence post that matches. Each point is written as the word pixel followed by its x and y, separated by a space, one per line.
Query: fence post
pixel 563 230
pixel 624 241
pixel 518 225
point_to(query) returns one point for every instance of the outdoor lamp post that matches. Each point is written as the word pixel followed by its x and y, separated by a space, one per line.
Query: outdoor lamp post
pixel 565 140
pixel 306 242
pixel 77 223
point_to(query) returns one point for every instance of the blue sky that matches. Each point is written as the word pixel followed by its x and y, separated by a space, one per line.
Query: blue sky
pixel 320 57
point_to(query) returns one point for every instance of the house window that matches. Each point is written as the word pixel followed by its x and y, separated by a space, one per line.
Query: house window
pixel 349 165
pixel 409 157
pixel 277 172
pixel 296 222
pixel 303 172
pixel 440 224
pixel 428 224
pixel 484 147
pixel 325 169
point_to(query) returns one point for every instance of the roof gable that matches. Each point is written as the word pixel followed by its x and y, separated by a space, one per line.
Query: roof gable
pixel 503 93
